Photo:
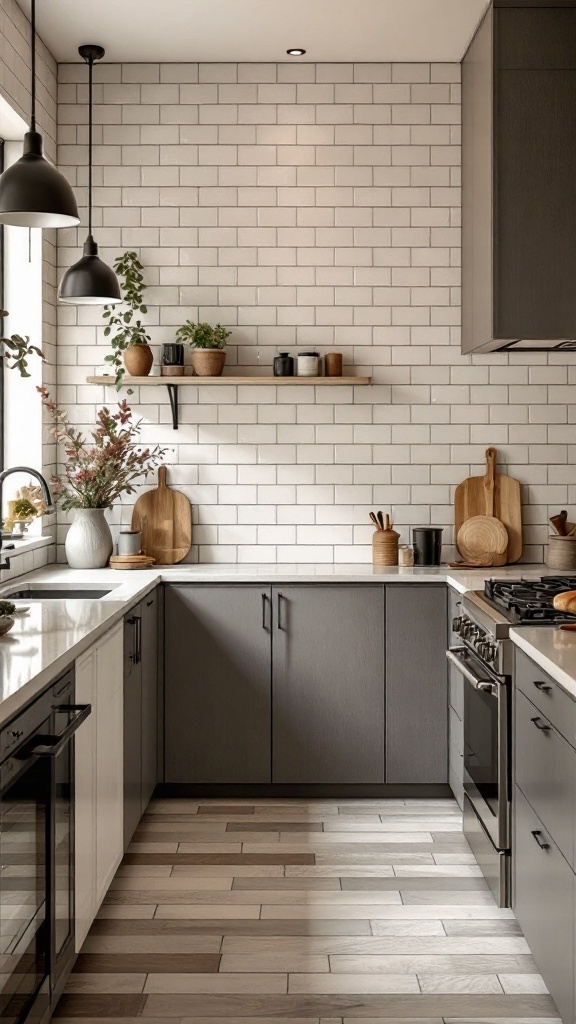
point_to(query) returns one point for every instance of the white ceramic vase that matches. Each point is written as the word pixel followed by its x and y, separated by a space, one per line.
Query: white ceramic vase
pixel 89 540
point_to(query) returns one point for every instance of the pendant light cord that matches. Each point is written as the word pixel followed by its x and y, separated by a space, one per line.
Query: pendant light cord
pixel 90 72
pixel 33 67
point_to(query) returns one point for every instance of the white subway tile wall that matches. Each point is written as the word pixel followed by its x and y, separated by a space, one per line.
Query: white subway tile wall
pixel 306 206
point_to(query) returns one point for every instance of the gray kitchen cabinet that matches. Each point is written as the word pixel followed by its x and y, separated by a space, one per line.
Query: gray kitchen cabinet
pixel 132 725
pixel 543 903
pixel 217 712
pixel 518 154
pixel 328 684
pixel 416 684
pixel 140 710
pixel 149 668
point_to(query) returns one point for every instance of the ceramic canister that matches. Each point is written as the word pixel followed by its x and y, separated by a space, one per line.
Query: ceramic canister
pixel 308 363
pixel 129 542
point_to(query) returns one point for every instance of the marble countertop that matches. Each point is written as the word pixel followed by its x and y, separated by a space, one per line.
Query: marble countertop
pixel 52 634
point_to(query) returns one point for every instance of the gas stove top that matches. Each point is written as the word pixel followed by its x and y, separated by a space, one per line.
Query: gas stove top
pixel 488 615
pixel 528 602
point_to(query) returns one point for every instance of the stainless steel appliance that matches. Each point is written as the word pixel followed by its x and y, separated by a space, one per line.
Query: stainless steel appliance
pixel 37 852
pixel 484 660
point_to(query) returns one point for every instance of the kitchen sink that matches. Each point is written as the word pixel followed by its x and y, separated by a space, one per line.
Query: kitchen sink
pixel 47 594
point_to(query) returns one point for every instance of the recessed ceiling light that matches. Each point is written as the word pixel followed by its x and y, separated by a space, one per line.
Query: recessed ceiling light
pixel 296 51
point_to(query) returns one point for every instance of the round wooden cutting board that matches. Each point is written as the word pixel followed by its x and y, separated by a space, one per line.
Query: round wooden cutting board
pixel 165 518
pixel 481 536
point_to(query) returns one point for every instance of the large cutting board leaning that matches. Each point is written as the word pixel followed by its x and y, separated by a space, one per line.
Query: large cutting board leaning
pixel 164 516
pixel 493 496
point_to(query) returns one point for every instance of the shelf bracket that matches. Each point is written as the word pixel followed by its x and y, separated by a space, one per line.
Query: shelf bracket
pixel 173 396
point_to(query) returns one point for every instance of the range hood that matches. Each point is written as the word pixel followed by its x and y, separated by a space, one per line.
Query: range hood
pixel 519 179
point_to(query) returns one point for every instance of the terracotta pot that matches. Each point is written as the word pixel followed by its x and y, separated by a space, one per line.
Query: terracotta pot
pixel 208 362
pixel 138 360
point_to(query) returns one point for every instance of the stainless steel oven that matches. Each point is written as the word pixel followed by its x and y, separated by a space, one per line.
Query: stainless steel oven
pixel 37 853
pixel 487 770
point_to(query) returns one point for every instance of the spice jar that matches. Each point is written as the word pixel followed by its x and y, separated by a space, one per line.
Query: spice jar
pixel 308 364
pixel 405 554
pixel 333 364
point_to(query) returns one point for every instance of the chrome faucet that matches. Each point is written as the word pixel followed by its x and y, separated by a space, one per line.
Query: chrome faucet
pixel 45 493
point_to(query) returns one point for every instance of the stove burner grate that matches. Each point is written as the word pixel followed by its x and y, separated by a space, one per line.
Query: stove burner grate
pixel 530 601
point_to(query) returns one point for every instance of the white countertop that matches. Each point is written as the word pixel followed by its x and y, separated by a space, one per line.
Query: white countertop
pixel 54 633
pixel 553 649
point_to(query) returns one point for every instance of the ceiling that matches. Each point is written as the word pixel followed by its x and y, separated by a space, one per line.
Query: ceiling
pixel 260 30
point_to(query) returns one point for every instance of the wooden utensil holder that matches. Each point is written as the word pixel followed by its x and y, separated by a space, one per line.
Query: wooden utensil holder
pixel 385 547
pixel 561 552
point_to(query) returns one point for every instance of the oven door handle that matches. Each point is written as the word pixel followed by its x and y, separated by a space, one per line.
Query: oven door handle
pixel 458 656
pixel 54 745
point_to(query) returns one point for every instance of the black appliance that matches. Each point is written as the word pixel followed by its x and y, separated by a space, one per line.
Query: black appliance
pixel 37 852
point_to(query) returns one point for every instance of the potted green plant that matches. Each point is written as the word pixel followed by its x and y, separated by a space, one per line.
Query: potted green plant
pixel 208 344
pixel 7 610
pixel 19 350
pixel 98 470
pixel 130 342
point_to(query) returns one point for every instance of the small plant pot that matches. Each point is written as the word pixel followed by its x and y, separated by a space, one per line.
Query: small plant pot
pixel 208 362
pixel 6 623
pixel 138 360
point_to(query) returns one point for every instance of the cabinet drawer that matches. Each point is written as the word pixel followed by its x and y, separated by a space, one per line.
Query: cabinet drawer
pixel 545 771
pixel 548 697
pixel 543 904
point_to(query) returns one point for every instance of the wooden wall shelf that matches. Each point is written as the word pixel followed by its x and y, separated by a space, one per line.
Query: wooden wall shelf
pixel 173 383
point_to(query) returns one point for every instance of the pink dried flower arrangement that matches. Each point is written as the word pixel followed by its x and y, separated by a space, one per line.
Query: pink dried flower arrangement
pixel 100 470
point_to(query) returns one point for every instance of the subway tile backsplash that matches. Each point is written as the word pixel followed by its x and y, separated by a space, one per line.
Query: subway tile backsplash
pixel 306 206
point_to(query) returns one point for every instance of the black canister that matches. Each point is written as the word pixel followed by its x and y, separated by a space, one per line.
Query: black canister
pixel 427 542
pixel 283 365
pixel 173 354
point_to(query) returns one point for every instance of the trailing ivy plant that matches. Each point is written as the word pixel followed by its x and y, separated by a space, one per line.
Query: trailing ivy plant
pixel 123 325
pixel 203 335
pixel 19 350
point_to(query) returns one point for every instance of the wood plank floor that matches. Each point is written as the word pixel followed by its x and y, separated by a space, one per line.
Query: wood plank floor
pixel 303 912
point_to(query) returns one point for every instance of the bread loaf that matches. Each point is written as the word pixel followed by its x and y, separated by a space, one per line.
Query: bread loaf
pixel 566 602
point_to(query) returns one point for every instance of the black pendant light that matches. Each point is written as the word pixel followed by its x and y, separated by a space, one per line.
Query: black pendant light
pixel 33 194
pixel 90 282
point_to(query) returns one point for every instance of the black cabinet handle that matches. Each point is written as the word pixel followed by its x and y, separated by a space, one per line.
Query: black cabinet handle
pixel 138 639
pixel 543 687
pixel 54 745
pixel 264 603
pixel 541 725
pixel 135 653
pixel 280 599
pixel 538 837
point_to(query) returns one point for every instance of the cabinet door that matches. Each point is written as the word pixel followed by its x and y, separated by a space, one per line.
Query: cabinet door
pixel 416 684
pixel 328 684
pixel 132 723
pixel 217 684
pixel 149 666
pixel 543 894
pixel 85 801
pixel 109 750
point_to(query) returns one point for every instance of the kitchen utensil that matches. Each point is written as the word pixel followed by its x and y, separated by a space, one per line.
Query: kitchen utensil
pixel 494 494
pixel 427 541
pixel 164 517
pixel 375 521
pixel 385 543
pixel 481 537
pixel 561 552
pixel 559 522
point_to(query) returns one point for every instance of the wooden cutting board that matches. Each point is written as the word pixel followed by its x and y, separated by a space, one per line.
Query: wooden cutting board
pixel 165 518
pixel 493 494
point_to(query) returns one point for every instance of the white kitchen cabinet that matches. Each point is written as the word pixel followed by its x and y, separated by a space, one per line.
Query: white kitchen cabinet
pixel 99 777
